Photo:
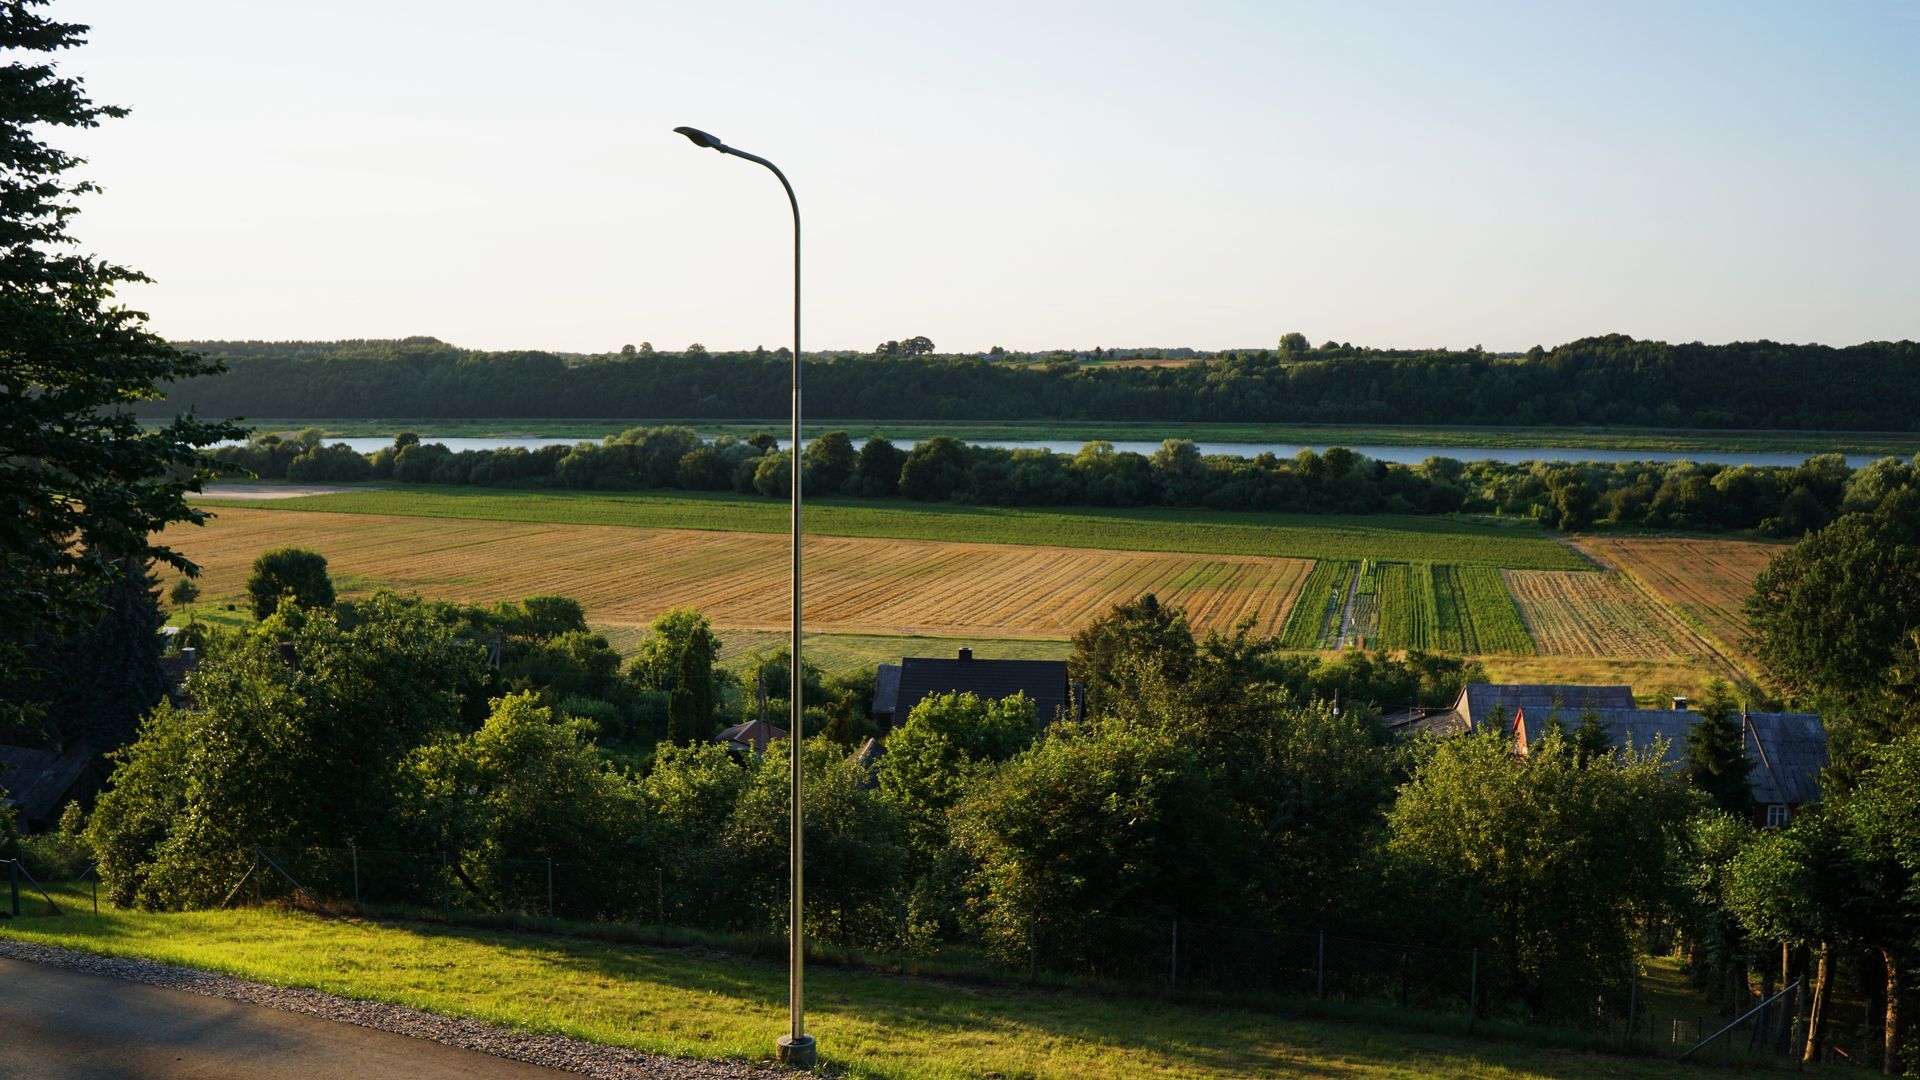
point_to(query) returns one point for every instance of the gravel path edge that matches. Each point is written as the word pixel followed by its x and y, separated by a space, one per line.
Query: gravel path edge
pixel 552 1051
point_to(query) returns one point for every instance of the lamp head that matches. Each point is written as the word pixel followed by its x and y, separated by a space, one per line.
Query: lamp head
pixel 701 138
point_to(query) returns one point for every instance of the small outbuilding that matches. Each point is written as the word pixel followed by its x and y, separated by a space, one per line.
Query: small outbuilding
pixel 750 737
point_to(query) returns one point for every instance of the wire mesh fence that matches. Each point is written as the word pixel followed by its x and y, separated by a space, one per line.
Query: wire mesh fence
pixel 1154 955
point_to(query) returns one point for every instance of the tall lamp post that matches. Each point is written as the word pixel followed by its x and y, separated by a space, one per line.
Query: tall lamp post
pixel 796 1048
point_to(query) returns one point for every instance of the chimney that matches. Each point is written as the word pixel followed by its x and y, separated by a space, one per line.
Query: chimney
pixel 1681 703
pixel 189 655
pixel 966 654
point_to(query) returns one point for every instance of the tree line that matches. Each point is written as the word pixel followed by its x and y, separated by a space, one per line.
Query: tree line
pixel 1782 501
pixel 1613 379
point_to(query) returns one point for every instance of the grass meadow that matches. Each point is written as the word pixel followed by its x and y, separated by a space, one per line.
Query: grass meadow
pixel 700 1002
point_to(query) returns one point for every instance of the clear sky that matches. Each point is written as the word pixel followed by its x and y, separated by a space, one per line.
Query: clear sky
pixel 1034 175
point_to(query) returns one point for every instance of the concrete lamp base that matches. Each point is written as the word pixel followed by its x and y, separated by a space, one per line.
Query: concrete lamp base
pixel 797 1053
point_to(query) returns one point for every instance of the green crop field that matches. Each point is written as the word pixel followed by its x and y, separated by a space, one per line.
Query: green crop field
pixel 1313 536
pixel 1461 609
pixel 705 1003
pixel 1408 615
pixel 1314 621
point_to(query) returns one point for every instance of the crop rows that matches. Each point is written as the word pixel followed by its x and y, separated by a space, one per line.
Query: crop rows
pixel 1487 618
pixel 1460 609
pixel 1314 622
pixel 1599 614
pixel 1707 581
pixel 627 576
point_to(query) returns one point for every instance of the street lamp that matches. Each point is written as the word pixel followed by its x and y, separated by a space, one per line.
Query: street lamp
pixel 796 1047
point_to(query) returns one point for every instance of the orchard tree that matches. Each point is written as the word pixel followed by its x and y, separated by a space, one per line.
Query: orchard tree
pixel 289 572
pixel 84 489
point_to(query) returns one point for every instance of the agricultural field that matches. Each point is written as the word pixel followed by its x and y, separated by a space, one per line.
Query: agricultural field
pixel 1300 536
pixel 1440 607
pixel 1705 581
pixel 627 576
pixel 1314 622
pixel 1602 614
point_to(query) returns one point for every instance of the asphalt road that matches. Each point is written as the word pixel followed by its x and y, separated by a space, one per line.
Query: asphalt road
pixel 64 1025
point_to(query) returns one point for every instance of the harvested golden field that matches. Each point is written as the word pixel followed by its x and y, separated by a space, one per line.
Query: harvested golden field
pixel 1599 613
pixel 1705 580
pixel 626 576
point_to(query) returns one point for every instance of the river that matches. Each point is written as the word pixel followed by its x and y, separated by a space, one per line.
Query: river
pixel 1405 455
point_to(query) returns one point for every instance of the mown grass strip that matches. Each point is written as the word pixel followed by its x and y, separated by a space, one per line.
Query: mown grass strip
pixel 1312 536
pixel 707 1004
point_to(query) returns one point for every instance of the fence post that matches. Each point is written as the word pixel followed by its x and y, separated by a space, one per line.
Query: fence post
pixel 1320 969
pixel 1404 956
pixel 1633 1000
pixel 1473 990
pixel 1033 952
pixel 353 852
pixel 1173 964
pixel 660 872
pixel 95 887
pixel 549 888
pixel 13 884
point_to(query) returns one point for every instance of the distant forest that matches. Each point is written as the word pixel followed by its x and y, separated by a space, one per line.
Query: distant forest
pixel 1603 380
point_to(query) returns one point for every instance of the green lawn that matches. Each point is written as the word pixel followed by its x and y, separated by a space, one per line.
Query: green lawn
pixel 703 1003
pixel 1321 435
pixel 1317 536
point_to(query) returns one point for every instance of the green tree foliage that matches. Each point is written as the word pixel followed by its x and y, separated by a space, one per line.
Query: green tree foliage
pixel 877 473
pixel 828 463
pixel 84 489
pixel 1834 620
pixel 91 683
pixel 1716 757
pixel 298 734
pixel 855 852
pixel 527 786
pixel 1107 818
pixel 183 593
pixel 677 656
pixel 1134 639
pixel 289 572
pixel 937 752
pixel 934 469
pixel 1560 857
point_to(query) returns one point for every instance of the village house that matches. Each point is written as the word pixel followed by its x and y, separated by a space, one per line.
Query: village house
pixel 899 687
pixel 1786 751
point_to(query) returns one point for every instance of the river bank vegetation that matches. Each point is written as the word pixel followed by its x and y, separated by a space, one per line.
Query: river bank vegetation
pixel 1776 501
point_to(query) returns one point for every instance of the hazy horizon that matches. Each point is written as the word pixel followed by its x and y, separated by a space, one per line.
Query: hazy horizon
pixel 1035 177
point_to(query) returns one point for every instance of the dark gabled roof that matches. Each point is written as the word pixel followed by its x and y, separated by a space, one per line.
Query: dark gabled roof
pixel 1423 720
pixel 886 688
pixel 1480 701
pixel 39 782
pixel 755 733
pixel 1788 751
pixel 1045 681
